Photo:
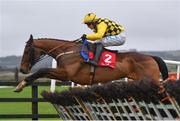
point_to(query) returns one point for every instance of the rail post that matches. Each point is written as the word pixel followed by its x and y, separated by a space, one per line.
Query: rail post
pixel 53 81
pixel 34 102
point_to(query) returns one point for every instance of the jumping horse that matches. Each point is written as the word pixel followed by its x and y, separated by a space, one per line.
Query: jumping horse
pixel 133 65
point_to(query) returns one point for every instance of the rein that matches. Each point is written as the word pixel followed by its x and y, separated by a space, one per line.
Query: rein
pixel 42 57
pixel 53 49
pixel 64 53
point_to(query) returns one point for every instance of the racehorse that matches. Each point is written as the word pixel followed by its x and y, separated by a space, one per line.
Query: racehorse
pixel 133 65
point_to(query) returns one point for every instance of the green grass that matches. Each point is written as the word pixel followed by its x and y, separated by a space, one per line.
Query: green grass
pixel 25 107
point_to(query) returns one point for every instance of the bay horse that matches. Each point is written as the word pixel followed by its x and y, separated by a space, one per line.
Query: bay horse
pixel 133 65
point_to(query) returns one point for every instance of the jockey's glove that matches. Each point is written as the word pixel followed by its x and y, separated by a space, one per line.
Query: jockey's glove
pixel 83 37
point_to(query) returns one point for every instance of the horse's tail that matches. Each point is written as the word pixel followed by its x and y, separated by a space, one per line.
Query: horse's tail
pixel 162 67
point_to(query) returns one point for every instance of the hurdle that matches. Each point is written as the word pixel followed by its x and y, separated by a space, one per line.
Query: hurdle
pixel 118 101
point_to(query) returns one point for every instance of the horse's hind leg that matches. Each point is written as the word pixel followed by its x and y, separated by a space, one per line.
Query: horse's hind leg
pixel 59 74
pixel 144 70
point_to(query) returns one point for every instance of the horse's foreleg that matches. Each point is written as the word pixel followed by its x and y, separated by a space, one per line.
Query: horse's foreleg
pixel 59 74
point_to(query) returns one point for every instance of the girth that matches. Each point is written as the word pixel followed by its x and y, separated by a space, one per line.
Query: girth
pixel 92 74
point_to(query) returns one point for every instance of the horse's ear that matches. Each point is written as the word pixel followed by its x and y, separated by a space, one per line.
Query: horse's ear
pixel 30 39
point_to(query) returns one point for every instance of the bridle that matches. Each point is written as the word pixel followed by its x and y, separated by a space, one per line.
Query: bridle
pixel 32 59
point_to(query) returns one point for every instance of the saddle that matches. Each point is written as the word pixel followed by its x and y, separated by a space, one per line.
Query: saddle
pixel 107 58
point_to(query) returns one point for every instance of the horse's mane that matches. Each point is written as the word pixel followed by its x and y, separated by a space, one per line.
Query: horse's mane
pixel 54 39
pixel 59 40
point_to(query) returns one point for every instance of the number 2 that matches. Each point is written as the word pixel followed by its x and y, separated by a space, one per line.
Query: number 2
pixel 108 58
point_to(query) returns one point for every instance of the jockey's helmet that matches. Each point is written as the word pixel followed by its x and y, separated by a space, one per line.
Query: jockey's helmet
pixel 91 17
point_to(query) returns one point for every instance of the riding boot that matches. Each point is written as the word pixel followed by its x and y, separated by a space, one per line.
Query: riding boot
pixel 99 48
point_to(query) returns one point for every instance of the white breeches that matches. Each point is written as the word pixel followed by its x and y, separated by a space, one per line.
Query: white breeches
pixel 114 40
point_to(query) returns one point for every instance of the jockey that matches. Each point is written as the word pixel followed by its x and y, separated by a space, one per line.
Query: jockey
pixel 106 33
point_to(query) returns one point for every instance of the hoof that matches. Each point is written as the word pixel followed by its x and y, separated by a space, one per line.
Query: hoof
pixel 20 86
pixel 17 90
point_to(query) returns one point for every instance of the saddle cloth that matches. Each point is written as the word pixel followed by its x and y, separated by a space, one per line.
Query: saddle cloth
pixel 107 58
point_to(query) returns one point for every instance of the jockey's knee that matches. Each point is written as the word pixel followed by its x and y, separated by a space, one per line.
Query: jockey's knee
pixel 122 40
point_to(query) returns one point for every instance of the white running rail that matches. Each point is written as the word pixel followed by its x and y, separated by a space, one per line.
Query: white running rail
pixel 53 81
pixel 177 63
